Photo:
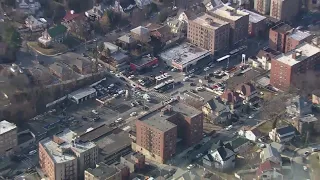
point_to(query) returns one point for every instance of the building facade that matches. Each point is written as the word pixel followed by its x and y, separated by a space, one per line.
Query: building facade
pixel 290 69
pixel 262 6
pixel 209 33
pixel 257 23
pixel 64 157
pixel 284 10
pixel 239 22
pixel 8 138
pixel 295 38
pixel 103 171
pixel 278 36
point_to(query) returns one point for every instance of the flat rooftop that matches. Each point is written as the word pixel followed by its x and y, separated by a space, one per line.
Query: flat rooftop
pixel 82 93
pixel 103 171
pixel 209 21
pixel 281 28
pixel 228 12
pixel 254 17
pixel 156 118
pixel 299 35
pixel 184 53
pixel 6 126
pixel 306 49
pixel 55 150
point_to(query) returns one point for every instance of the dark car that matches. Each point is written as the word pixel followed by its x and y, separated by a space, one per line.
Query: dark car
pixel 84 118
pixel 193 84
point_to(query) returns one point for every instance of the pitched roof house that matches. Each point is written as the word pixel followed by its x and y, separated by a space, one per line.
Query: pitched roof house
pixel 221 156
pixel 283 134
pixel 269 170
pixel 298 106
pixel 216 109
pixel 231 98
pixel 96 12
pixel 34 24
pixel 270 153
pixel 141 34
pixel 248 92
pixel 61 71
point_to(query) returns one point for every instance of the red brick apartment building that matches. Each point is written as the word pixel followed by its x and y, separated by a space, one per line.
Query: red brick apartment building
pixel 284 10
pixel 209 33
pixel 159 130
pixel 262 6
pixel 278 36
pixel 284 38
pixel 239 22
pixel 291 68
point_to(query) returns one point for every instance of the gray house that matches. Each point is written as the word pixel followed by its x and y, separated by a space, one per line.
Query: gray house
pixel 221 157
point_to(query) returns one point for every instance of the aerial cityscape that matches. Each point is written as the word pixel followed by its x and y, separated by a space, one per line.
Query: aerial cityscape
pixel 159 89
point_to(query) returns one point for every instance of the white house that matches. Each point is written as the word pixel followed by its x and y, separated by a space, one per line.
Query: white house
pixel 252 134
pixel 96 12
pixel 34 24
pixel 141 3
pixel 28 6
pixel 221 156
pixel 283 134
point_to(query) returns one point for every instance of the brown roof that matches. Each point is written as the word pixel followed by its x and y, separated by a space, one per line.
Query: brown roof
pixel 267 166
pixel 256 132
pixel 231 97
pixel 246 88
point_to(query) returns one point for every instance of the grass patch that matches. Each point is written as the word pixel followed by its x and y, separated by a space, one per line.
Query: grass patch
pixel 315 164
pixel 267 126
pixel 56 48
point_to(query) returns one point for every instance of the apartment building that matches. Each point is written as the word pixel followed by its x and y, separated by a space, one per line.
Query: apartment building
pixel 296 37
pixel 290 68
pixel 239 22
pixel 262 6
pixel 284 10
pixel 64 156
pixel 278 36
pixel 257 23
pixel 159 130
pixel 8 138
pixel 209 33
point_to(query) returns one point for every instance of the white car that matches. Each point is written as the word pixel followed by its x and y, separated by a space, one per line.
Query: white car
pixel 173 69
pixel 118 75
pixel 200 88
pixel 133 85
pixel 190 166
pixel 111 72
pixel 186 79
pixel 251 116
pixel 229 127
pixel 131 77
pixel 212 66
pixel 198 155
pixel 95 112
pixel 133 114
pixel 206 68
pixel 192 71
pixel 305 168
pixel 32 152
pixel 118 120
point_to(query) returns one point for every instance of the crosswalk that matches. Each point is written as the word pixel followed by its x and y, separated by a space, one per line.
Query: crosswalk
pixel 158 96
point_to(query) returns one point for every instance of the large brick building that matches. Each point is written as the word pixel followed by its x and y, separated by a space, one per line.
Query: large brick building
pixel 296 37
pixel 257 23
pixel 262 6
pixel 209 33
pixel 238 20
pixel 284 10
pixel 291 68
pixel 284 38
pixel 159 130
pixel 278 35
pixel 64 156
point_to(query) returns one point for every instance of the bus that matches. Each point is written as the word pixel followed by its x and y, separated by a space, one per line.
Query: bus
pixel 164 86
pixel 223 58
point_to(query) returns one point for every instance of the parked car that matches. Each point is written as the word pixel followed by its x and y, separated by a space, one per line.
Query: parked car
pixel 190 166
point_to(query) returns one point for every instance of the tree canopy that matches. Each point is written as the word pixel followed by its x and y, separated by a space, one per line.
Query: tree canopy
pixel 11 36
